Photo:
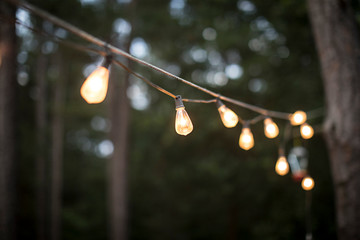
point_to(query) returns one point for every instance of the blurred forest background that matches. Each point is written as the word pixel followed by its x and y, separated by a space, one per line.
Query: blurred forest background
pixel 202 186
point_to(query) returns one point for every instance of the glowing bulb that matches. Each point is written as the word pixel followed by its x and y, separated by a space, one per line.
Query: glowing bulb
pixel 282 166
pixel 228 117
pixel 246 140
pixel 306 131
pixel 307 183
pixel 270 128
pixel 297 118
pixel 183 124
pixel 95 87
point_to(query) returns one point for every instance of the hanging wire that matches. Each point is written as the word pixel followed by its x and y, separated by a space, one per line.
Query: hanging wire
pixel 144 79
pixel 313 114
pixel 199 100
pixel 92 50
pixel 257 119
pixel 88 37
pixel 105 53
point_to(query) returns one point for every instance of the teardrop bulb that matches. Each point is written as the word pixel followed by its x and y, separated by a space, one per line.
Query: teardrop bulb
pixel 297 118
pixel 183 124
pixel 246 140
pixel 282 166
pixel 271 130
pixel 95 87
pixel 306 131
pixel 228 117
pixel 307 183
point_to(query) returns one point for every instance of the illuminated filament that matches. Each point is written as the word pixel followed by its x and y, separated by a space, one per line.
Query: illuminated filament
pixel 282 166
pixel 297 118
pixel 306 131
pixel 228 117
pixel 183 124
pixel 307 183
pixel 95 87
pixel 246 140
pixel 270 128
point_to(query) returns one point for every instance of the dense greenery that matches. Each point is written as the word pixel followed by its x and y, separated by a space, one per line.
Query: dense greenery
pixel 202 186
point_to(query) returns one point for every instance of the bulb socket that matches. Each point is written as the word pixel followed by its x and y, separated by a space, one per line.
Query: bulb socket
pixel 178 102
pixel 219 103
pixel 246 124
pixel 107 61
pixel 281 152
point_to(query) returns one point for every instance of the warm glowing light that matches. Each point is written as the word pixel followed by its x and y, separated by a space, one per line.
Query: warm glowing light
pixel 246 140
pixel 297 118
pixel 307 183
pixel 95 87
pixel 228 117
pixel 183 124
pixel 306 131
pixel 270 128
pixel 282 166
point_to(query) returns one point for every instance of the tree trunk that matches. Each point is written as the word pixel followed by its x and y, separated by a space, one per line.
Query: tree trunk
pixel 119 115
pixel 7 123
pixel 40 120
pixel 338 46
pixel 57 150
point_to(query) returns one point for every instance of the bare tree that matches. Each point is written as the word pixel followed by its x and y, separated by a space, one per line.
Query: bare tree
pixel 338 45
pixel 7 123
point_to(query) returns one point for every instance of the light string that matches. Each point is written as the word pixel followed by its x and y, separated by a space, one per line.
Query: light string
pixel 95 86
pixel 88 37
pixel 104 54
pixel 119 63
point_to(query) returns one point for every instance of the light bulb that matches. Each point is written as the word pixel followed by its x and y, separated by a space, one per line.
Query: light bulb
pixel 183 124
pixel 228 117
pixel 270 128
pixel 246 140
pixel 95 87
pixel 306 131
pixel 297 118
pixel 307 183
pixel 282 166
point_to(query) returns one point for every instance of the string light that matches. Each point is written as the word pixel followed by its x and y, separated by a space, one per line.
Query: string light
pixel 307 183
pixel 306 131
pixel 116 51
pixel 297 118
pixel 271 130
pixel 246 140
pixel 228 117
pixel 282 166
pixel 183 124
pixel 95 86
